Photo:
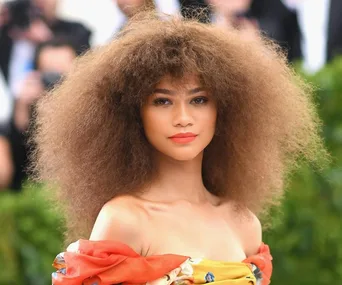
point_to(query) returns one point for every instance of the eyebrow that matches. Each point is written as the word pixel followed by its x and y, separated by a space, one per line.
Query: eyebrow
pixel 170 92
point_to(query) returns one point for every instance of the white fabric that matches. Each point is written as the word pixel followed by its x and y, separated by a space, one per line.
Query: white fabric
pixel 171 7
pixel 313 18
pixel 6 101
pixel 20 64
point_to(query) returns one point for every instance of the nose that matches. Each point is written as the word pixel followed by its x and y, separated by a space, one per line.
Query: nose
pixel 182 116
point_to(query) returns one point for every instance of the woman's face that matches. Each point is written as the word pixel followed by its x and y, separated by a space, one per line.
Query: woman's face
pixel 179 119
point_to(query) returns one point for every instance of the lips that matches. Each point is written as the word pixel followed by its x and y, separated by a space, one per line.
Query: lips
pixel 183 137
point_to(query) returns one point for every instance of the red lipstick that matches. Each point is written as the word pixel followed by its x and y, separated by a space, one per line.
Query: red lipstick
pixel 183 137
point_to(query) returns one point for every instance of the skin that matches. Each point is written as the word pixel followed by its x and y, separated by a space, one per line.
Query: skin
pixel 177 214
pixel 57 59
pixel 226 12
pixel 6 164
pixel 128 7
pixel 230 7
pixel 48 8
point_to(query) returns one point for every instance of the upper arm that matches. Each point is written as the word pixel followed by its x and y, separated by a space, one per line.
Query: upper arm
pixel 120 223
pixel 252 235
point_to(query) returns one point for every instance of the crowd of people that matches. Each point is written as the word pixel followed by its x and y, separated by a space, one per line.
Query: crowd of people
pixel 37 48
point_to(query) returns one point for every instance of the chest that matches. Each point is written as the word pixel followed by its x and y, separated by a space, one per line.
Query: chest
pixel 198 234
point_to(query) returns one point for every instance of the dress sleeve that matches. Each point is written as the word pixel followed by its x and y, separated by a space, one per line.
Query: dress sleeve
pixel 263 263
pixel 108 262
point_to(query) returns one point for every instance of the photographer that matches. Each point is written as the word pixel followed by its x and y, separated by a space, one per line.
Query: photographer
pixel 76 33
pixel 25 24
pixel 234 13
pixel 22 28
pixel 271 18
pixel 52 60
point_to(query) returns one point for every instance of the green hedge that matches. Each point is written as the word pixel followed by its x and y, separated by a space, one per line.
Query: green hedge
pixel 31 236
pixel 305 239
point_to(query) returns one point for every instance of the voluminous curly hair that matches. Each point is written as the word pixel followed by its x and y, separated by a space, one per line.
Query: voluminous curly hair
pixel 89 139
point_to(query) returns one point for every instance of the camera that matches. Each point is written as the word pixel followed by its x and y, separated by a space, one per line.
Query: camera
pixel 49 79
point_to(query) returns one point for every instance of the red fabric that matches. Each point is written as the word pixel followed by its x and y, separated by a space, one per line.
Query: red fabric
pixel 111 262
pixel 263 260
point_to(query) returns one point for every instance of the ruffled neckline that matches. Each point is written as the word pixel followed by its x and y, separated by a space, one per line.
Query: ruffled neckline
pixel 114 262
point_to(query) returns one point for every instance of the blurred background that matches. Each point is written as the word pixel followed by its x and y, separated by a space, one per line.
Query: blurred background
pixel 39 39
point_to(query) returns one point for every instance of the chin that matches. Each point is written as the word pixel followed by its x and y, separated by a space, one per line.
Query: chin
pixel 183 156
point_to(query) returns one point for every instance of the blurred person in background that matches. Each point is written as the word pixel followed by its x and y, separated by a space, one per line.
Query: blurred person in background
pixel 231 13
pixel 28 23
pixel 78 34
pixel 320 23
pixel 130 7
pixel 6 164
pixel 271 17
pixel 23 27
pixel 185 7
pixel 6 105
pixel 234 14
pixel 52 60
pixel 6 102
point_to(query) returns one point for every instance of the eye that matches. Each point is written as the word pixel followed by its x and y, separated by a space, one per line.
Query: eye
pixel 161 102
pixel 199 100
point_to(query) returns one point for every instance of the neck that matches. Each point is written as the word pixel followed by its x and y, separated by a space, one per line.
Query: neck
pixel 178 180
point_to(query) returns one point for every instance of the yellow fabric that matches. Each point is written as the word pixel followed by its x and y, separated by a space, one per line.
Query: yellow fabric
pixel 201 271
pixel 224 273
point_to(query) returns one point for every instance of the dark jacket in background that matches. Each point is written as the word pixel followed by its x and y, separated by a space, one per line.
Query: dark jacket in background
pixel 334 46
pixel 281 24
pixel 19 153
pixel 75 32
pixel 278 23
pixel 274 18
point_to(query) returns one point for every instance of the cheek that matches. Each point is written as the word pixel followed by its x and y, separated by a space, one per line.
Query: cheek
pixel 152 122
pixel 210 118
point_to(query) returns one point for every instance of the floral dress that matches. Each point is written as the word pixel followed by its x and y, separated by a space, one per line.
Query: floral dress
pixel 109 262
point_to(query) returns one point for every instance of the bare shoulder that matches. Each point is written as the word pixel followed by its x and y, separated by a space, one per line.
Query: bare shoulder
pixel 121 219
pixel 251 234
pixel 248 228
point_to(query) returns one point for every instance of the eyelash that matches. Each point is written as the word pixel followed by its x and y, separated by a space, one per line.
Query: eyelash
pixel 164 101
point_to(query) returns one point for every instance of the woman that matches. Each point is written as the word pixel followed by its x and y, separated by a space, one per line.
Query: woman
pixel 172 139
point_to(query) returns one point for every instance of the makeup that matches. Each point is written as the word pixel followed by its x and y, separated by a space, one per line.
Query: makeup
pixel 183 138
